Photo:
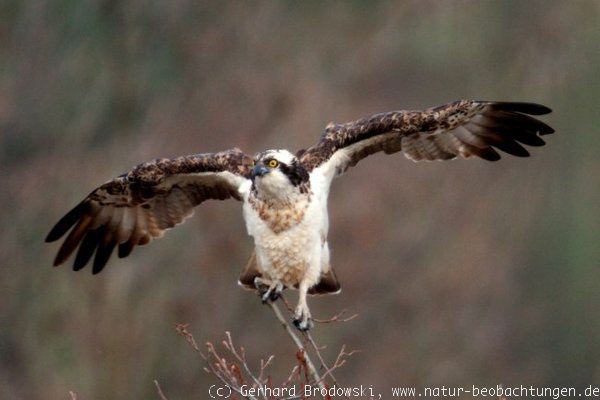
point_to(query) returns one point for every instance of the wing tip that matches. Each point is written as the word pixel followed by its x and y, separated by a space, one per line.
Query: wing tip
pixel 546 130
pixel 66 222
pixel 125 249
pixel 522 107
pixel 488 153
pixel 62 256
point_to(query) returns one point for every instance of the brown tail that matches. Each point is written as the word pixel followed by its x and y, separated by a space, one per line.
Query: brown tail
pixel 249 273
pixel 328 284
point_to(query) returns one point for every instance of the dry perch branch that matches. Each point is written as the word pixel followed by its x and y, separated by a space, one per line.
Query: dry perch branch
pixel 159 391
pixel 230 365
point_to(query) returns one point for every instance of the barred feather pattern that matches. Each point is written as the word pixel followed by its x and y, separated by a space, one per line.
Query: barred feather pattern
pixel 143 204
pixel 460 129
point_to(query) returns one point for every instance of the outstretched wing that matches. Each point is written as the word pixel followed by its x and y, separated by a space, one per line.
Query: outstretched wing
pixel 142 204
pixel 463 128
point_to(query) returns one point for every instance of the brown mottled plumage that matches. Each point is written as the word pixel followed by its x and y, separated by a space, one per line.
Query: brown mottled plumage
pixel 140 205
pixel 285 196
pixel 280 219
pixel 159 197
pixel 463 128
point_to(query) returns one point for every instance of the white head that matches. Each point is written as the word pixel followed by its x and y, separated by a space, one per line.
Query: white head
pixel 278 175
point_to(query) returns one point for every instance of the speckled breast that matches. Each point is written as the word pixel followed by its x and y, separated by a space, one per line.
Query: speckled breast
pixel 286 258
pixel 284 238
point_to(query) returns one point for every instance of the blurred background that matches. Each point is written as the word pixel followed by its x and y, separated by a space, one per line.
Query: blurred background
pixel 463 272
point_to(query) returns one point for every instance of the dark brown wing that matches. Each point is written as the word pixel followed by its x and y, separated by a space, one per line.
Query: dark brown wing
pixel 463 128
pixel 142 204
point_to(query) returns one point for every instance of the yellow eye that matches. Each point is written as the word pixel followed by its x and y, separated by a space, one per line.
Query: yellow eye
pixel 272 163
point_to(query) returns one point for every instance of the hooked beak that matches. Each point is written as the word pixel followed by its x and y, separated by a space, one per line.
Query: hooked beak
pixel 259 170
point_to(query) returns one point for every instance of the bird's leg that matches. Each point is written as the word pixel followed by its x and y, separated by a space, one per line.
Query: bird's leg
pixel 302 318
pixel 273 292
pixel 268 289
pixel 261 285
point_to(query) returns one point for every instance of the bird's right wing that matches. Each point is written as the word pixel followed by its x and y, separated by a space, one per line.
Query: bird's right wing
pixel 142 204
pixel 463 128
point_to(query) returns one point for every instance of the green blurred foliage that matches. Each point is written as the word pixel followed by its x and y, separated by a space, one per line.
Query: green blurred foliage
pixel 462 273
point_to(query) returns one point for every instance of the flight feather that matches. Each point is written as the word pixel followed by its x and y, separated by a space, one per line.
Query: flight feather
pixel 462 128
pixel 142 204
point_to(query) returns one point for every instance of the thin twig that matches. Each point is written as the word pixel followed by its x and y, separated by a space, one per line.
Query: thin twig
pixel 288 381
pixel 309 364
pixel 321 359
pixel 242 359
pixel 336 318
pixel 218 369
pixel 159 391
pixel 263 367
pixel 308 338
pixel 234 371
pixel 339 361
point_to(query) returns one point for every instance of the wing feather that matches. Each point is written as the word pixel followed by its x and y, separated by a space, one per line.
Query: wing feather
pixel 460 129
pixel 125 249
pixel 125 228
pixel 73 239
pixel 87 248
pixel 67 222
pixel 104 251
pixel 141 205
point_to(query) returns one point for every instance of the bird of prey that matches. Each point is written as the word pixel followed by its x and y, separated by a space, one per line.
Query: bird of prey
pixel 284 195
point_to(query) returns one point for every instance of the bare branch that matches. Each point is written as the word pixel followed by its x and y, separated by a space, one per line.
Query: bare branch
pixel 242 359
pixel 182 330
pixel 218 365
pixel 302 350
pixel 339 361
pixel 159 391
pixel 263 367
pixel 320 356
pixel 336 318
pixel 234 371
pixel 288 381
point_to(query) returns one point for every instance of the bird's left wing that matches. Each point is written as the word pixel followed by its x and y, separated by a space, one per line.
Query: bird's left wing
pixel 142 204
pixel 463 128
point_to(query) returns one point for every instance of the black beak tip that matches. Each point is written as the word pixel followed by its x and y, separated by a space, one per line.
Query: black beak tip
pixel 259 170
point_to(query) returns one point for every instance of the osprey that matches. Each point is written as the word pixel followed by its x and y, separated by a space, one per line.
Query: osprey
pixel 284 195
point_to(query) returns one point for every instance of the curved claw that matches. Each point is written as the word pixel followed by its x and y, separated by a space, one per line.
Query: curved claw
pixel 273 296
pixel 302 319
pixel 303 325
pixel 269 292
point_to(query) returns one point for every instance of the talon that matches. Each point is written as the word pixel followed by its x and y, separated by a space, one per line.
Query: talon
pixel 266 296
pixel 261 293
pixel 261 288
pixel 276 292
pixel 270 292
pixel 258 284
pixel 302 319
pixel 303 324
pixel 296 322
pixel 274 296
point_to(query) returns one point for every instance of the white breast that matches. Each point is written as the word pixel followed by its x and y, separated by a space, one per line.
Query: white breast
pixel 291 254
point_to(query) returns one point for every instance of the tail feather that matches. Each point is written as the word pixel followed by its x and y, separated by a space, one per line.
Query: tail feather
pixel 328 284
pixel 249 273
